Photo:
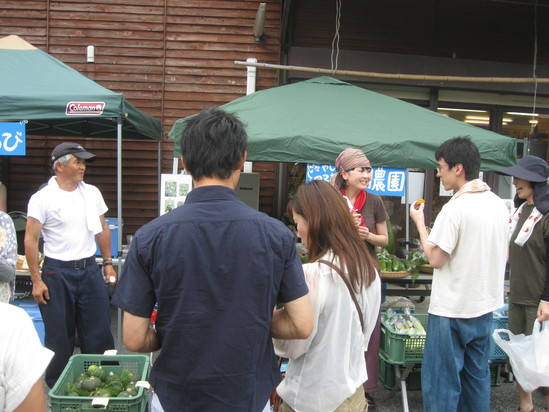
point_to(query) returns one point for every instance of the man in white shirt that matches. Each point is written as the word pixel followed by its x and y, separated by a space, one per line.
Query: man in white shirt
pixel 467 247
pixel 70 290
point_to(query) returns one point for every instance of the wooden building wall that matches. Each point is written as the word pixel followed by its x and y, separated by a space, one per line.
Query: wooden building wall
pixel 170 58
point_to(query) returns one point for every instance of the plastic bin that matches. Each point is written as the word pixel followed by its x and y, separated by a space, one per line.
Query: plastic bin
pixel 113 226
pixel 386 374
pixel 137 364
pixel 32 309
pixel 401 348
pixel 499 321
pixel 495 374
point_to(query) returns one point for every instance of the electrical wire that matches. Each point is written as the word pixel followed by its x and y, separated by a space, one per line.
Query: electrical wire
pixel 335 40
pixel 534 75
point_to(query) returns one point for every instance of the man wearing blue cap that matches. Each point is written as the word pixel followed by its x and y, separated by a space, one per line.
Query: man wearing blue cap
pixel 70 290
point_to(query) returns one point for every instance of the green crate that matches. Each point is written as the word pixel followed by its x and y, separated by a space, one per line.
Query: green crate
pixel 137 364
pixel 401 348
pixel 495 374
pixel 386 374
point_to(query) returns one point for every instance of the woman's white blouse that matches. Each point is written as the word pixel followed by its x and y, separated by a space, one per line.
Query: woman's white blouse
pixel 326 368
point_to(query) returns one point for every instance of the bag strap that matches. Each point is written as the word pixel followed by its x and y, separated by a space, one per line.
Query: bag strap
pixel 346 281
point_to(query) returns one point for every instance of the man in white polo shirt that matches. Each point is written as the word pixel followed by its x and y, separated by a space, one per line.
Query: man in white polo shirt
pixel 467 247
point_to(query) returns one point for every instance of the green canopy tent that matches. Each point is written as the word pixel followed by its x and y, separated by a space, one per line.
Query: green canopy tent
pixel 56 100
pixel 314 120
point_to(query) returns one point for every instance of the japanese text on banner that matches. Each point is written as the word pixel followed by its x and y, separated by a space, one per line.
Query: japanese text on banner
pixel 385 181
pixel 12 139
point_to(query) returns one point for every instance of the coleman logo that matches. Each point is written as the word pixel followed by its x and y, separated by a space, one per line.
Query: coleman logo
pixel 83 108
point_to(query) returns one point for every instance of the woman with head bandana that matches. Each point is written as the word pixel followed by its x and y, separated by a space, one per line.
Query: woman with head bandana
pixel 529 254
pixel 354 173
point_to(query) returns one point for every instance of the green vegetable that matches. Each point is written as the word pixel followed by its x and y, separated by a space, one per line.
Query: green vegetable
pixel 97 372
pixel 102 393
pixel 72 390
pixel 383 265
pixel 111 376
pixel 391 237
pixel 125 394
pixel 91 383
pixel 126 377
pixel 420 330
pixel 115 387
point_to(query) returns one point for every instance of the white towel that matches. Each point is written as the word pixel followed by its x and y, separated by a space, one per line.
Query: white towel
pixel 92 214
pixel 56 209
pixel 528 226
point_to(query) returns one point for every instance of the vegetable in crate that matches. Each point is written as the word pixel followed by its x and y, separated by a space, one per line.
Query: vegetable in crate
pixel 91 383
pixel 403 323
pixel 113 385
pixel 126 377
pixel 97 372
pixel 111 376
pixel 127 393
pixel 132 387
pixel 102 393
pixel 73 389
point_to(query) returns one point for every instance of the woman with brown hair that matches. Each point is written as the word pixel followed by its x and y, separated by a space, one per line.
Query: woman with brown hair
pixel 354 173
pixel 325 371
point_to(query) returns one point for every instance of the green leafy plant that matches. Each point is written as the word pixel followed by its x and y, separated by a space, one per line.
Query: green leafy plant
pixel 416 258
pixel 391 263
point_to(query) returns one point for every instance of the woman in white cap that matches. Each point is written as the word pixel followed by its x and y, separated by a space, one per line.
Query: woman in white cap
pixel 354 173
pixel 529 254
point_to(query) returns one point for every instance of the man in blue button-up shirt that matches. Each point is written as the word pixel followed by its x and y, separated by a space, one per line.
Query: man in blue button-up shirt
pixel 217 268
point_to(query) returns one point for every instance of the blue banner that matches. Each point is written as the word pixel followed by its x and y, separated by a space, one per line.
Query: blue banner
pixel 13 139
pixel 385 181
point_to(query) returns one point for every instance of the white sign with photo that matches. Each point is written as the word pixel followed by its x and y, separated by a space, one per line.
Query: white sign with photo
pixel 173 191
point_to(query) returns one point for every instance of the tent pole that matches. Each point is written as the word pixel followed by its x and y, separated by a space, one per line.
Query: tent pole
pixel 250 88
pixel 407 213
pixel 119 121
pixel 175 165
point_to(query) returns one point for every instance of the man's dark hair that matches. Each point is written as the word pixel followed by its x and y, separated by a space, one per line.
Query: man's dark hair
pixel 213 143
pixel 461 150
